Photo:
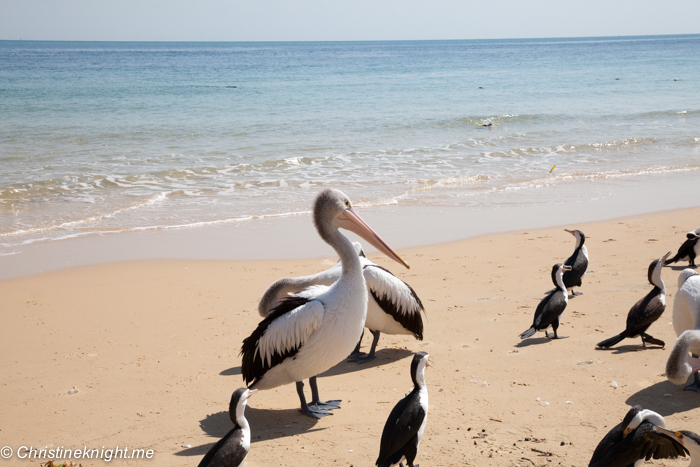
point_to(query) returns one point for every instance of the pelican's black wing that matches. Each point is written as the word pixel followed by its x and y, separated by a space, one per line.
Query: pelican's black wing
pixel 396 298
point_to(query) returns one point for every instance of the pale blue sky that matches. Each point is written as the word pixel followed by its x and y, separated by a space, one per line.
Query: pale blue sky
pixel 305 20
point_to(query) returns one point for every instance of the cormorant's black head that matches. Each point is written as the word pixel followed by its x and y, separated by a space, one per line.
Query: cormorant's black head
pixel 559 268
pixel 654 271
pixel 418 364
pixel 631 413
pixel 236 407
pixel 692 236
pixel 580 237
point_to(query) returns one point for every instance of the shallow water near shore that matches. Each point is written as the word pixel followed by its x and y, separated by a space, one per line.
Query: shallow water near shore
pixel 120 138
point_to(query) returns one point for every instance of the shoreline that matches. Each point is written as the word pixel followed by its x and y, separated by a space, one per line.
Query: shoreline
pixel 401 226
pixel 152 349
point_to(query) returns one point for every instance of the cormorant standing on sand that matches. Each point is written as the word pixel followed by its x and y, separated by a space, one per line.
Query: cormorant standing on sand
pixel 552 305
pixel 578 262
pixel 646 311
pixel 689 250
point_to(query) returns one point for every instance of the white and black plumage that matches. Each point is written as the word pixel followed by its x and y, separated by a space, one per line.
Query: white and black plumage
pixel 578 262
pixel 306 335
pixel 646 311
pixel 689 250
pixel 232 449
pixel 635 439
pixel 552 305
pixel 686 318
pixel 392 305
pixel 406 423
pixel 689 440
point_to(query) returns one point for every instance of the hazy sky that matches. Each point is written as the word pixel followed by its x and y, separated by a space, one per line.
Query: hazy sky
pixel 305 20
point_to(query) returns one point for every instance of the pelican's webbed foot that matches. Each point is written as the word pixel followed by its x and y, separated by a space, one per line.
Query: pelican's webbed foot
pixel 696 384
pixel 327 405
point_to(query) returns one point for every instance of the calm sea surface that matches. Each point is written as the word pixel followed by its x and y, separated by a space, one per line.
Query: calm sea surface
pixel 113 137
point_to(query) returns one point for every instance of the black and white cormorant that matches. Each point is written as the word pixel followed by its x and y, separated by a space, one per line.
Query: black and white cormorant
pixel 689 440
pixel 635 440
pixel 646 311
pixel 232 449
pixel 406 423
pixel 578 262
pixel 686 318
pixel 392 305
pixel 305 336
pixel 552 305
pixel 689 250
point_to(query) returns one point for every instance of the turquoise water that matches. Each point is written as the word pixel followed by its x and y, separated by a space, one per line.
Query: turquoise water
pixel 117 137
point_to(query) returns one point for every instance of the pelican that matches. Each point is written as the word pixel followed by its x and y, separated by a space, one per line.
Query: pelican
pixel 635 440
pixel 306 335
pixel 232 449
pixel 686 317
pixel 646 311
pixel 689 440
pixel 551 307
pixel 392 305
pixel 689 250
pixel 578 262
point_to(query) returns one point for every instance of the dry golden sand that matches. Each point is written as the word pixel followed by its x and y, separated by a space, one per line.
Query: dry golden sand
pixel 152 348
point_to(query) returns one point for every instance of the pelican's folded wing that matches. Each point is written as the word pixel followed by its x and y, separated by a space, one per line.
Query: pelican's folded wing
pixel 280 335
pixel 395 297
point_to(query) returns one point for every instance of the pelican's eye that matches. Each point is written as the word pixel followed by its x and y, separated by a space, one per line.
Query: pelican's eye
pixel 347 203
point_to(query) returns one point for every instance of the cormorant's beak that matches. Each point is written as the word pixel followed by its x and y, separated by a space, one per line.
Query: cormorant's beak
pixel 571 232
pixel 664 257
pixel 566 268
pixel 352 221
pixel 677 435
pixel 429 362
pixel 251 392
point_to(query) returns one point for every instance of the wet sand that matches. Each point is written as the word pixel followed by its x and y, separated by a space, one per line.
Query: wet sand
pixel 152 348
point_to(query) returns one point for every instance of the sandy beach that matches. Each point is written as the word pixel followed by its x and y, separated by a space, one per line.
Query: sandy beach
pixel 151 347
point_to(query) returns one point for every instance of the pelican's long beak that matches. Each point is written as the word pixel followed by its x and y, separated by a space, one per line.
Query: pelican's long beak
pixel 352 221
pixel 678 436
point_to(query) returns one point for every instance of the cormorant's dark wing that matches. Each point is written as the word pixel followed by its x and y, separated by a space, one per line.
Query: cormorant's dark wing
pixel 403 424
pixel 579 264
pixel 683 252
pixel 549 309
pixel 279 336
pixel 228 452
pixel 645 312
pixel 395 297
pixel 642 443
pixel 606 444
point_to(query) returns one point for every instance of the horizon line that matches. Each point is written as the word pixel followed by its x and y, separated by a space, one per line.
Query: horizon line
pixel 352 40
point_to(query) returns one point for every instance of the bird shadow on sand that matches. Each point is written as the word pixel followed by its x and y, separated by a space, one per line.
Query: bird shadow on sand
pixel 533 341
pixel 620 349
pixel 384 356
pixel 236 370
pixel 265 424
pixel 680 268
pixel 653 398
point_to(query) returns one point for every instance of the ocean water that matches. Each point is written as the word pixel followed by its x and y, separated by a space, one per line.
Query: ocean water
pixel 105 138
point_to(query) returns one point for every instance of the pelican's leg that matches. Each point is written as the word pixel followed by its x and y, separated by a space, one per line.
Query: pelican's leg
pixel 316 401
pixel 652 340
pixel 356 353
pixel 371 355
pixel 310 411
pixel 696 381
